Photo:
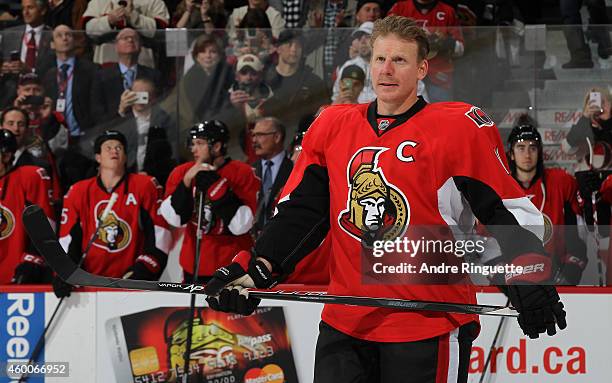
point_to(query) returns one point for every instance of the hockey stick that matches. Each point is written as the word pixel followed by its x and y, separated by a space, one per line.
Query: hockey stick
pixel 502 321
pixel 596 234
pixel 40 342
pixel 196 267
pixel 43 238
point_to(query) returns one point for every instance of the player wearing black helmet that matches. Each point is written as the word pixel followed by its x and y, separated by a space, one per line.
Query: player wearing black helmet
pixel 133 240
pixel 20 186
pixel 229 188
pixel 554 193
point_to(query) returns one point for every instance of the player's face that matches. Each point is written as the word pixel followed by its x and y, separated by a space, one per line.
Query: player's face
pixel 112 155
pixel 525 155
pixel 200 150
pixel 15 122
pixel 396 71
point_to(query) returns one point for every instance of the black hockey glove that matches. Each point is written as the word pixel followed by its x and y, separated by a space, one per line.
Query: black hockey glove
pixel 592 181
pixel 61 288
pixel 145 268
pixel 204 179
pixel 31 270
pixel 570 272
pixel 539 306
pixel 227 290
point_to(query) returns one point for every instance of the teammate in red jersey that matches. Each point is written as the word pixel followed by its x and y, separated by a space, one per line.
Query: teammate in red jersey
pixel 133 240
pixel 20 187
pixel 386 167
pixel 230 188
pixel 555 194
pixel 441 24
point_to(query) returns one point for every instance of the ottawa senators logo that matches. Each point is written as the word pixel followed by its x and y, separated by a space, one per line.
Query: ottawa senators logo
pixel 114 234
pixel 373 203
pixel 7 222
pixel 548 229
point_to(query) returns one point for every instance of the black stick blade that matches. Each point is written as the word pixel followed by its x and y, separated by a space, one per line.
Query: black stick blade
pixel 44 239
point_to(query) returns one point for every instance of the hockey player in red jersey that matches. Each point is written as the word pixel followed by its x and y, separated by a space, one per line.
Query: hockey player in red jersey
pixel 133 240
pixel 440 22
pixel 20 187
pixel 555 194
pixel 393 164
pixel 230 188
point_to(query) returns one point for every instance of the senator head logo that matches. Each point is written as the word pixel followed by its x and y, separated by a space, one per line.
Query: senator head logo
pixel 7 222
pixel 374 205
pixel 114 234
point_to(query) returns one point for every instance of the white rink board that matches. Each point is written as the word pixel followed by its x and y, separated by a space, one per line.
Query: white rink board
pixel 578 354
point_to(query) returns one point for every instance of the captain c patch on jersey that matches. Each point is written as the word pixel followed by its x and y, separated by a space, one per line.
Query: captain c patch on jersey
pixel 373 203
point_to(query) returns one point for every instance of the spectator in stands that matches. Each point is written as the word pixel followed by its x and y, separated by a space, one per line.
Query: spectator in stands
pixel 207 15
pixel 367 10
pixel 247 97
pixel 29 43
pixel 148 130
pixel 105 17
pixel 329 14
pixel 297 90
pixel 273 167
pixel 203 89
pixel 72 83
pixel 277 22
pixel 595 125
pixel 44 122
pixel 351 85
pixel 117 78
pixel 361 44
pixel 253 36
pixel 580 52
pixel 445 42
pixel 66 12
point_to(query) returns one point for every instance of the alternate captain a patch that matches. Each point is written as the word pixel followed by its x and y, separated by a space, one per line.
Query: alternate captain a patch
pixel 373 204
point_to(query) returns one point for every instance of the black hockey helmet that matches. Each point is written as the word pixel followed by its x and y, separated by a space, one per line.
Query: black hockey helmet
pixel 8 142
pixel 524 129
pixel 109 135
pixel 212 131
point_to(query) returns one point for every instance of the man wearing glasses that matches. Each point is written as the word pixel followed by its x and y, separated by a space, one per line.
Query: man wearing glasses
pixel 272 166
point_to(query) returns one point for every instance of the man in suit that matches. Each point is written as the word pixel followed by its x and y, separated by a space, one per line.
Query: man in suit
pixel 149 131
pixel 31 41
pixel 25 48
pixel 71 83
pixel 119 77
pixel 273 167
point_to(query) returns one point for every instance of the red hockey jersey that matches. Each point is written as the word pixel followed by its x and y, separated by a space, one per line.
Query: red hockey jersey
pixel 222 238
pixel 441 19
pixel 429 161
pixel 557 192
pixel 20 187
pixel 131 230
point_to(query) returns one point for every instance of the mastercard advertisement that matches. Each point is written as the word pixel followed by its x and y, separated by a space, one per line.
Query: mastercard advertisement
pixel 150 346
